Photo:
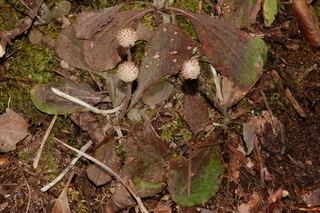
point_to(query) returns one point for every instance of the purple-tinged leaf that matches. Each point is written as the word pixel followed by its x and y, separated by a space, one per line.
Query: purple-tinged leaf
pixel 89 23
pixel 165 53
pixel 235 54
pixel 195 112
pixel 69 48
pixel 103 51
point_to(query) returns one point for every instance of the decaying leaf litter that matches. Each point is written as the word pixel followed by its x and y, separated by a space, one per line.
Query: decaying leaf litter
pixel 173 142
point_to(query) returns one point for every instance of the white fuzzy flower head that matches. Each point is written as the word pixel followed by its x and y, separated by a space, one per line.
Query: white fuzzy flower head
pixel 190 69
pixel 127 71
pixel 127 37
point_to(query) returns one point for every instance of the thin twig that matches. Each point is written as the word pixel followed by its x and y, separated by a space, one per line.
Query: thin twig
pixel 29 196
pixel 110 171
pixel 67 169
pixel 295 103
pixel 45 137
pixel 84 104
pixel 266 101
pixel 32 12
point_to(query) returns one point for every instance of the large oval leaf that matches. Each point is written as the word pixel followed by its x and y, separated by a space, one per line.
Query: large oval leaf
pixel 165 53
pixel 235 54
pixel 103 51
pixel 46 101
pixel 69 48
pixel 194 181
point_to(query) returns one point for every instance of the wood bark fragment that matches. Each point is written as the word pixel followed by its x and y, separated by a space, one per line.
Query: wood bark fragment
pixel 295 103
pixel 307 22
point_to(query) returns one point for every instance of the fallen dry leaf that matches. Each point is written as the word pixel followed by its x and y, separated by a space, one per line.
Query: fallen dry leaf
pixel 120 198
pixel 195 112
pixel 13 128
pixel 107 154
pixel 253 204
pixel 90 124
pixel 61 205
pixel 313 198
pixel 88 23
pixel 266 129
pixel 307 21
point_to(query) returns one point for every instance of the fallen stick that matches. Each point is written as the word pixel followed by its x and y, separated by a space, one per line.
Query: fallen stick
pixel 143 209
pixel 44 139
pixel 67 169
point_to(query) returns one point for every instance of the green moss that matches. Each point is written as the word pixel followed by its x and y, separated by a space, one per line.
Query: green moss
pixel 31 64
pixel 187 4
pixel 253 61
pixel 78 200
pixel 175 131
pixel 187 27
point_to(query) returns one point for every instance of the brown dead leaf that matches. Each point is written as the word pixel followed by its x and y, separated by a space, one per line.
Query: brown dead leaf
pixel 308 22
pixel 69 48
pixel 253 204
pixel 266 129
pixel 162 207
pixel 103 52
pixel 61 205
pixel 313 198
pixel 165 53
pixel 13 128
pixel 120 198
pixel 249 136
pixel 195 112
pixel 107 154
pixel 90 124
pixel 88 23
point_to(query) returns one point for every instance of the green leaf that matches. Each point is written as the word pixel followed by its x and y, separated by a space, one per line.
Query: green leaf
pixel 145 188
pixel 46 101
pixel 204 177
pixel 236 55
pixel 270 10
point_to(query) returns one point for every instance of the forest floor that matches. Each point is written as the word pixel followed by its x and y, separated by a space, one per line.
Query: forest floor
pixel 280 176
